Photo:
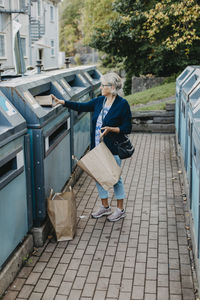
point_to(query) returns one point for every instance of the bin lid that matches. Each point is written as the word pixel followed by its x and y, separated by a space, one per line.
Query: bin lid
pixel 92 75
pixel 190 84
pixel 22 93
pixel 12 124
pixel 185 75
pixel 73 82
pixel 194 99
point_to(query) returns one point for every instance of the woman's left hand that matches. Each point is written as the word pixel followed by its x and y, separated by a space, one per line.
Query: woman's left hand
pixel 108 129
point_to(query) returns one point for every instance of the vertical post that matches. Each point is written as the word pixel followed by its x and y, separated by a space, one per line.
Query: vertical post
pixel 30 33
pixel 39 66
pixel 67 62
pixel 1 70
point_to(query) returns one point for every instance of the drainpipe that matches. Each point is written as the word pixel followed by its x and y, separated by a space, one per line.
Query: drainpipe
pixel 30 35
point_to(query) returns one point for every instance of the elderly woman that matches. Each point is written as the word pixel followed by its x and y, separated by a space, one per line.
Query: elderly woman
pixel 111 119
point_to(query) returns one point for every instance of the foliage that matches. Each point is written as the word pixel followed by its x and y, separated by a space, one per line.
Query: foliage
pixel 157 37
pixel 174 24
pixel 146 36
pixel 96 15
pixel 70 32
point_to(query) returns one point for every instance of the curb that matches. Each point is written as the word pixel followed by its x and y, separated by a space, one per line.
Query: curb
pixel 9 272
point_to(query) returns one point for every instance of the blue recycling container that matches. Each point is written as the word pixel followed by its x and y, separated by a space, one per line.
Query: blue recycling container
pixel 193 113
pixel 187 88
pixel 94 78
pixel 195 180
pixel 80 90
pixel 179 83
pixel 49 130
pixel 14 206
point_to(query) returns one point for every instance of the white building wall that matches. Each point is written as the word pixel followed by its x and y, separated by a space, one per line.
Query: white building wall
pixel 6 33
pixel 45 46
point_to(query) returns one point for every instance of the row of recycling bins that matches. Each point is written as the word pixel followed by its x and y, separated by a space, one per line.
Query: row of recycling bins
pixel 187 121
pixel 37 144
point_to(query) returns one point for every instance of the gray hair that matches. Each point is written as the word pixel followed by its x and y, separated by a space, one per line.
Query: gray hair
pixel 114 80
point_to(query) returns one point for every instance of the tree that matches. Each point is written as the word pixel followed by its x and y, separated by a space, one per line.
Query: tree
pixel 157 37
pixel 70 31
pixel 96 15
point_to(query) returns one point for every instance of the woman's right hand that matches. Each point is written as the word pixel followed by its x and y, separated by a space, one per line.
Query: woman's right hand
pixel 56 100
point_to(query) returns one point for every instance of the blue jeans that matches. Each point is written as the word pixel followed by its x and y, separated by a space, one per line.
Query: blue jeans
pixel 118 187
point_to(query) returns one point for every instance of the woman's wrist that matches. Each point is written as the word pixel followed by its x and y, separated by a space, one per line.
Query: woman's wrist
pixel 116 129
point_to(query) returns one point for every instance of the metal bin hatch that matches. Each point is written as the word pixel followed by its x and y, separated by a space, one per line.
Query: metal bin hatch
pixel 80 90
pixel 49 129
pixel 94 78
pixel 13 185
pixel 195 183
pixel 179 83
pixel 187 88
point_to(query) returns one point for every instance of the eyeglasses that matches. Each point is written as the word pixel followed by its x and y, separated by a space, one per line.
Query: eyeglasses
pixel 103 85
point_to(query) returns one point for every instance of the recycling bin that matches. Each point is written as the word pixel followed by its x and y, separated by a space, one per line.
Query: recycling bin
pixel 79 89
pixel 94 78
pixel 193 113
pixel 187 88
pixel 195 183
pixel 179 83
pixel 13 185
pixel 49 130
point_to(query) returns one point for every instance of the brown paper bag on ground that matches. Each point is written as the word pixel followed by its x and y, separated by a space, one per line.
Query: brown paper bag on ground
pixel 61 209
pixel 100 164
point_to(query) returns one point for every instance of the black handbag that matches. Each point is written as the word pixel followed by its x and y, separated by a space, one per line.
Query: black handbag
pixel 125 148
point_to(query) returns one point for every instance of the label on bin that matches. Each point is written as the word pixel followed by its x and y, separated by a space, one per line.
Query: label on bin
pixel 31 100
pixel 7 107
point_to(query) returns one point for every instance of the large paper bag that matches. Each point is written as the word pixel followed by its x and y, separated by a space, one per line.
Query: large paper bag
pixel 61 209
pixel 101 165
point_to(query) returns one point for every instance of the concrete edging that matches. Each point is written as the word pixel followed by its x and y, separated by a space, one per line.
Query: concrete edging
pixel 9 272
pixel 189 219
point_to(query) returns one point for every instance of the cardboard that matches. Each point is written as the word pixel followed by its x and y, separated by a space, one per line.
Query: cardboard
pixel 100 164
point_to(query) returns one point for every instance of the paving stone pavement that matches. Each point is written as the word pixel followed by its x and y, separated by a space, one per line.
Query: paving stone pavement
pixel 144 256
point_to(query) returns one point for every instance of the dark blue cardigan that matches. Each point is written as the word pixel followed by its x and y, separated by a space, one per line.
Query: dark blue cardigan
pixel 119 115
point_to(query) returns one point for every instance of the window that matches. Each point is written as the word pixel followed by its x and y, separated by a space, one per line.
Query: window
pixel 22 4
pixel 52 48
pixel 1 22
pixel 2 45
pixel 23 43
pixel 51 13
pixel 1 3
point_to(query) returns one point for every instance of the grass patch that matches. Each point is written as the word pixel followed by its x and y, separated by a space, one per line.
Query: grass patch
pixel 159 92
pixel 158 106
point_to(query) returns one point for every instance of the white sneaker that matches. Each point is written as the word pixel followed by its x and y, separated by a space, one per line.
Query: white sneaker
pixel 101 212
pixel 117 215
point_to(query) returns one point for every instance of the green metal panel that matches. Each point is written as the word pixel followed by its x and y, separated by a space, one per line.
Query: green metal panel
pixel 81 135
pixel 57 166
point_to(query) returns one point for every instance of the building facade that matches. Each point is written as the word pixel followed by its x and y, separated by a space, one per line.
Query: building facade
pixel 36 22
